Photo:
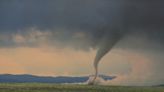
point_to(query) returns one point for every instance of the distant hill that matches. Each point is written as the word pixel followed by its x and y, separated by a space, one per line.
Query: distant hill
pixel 161 85
pixel 25 78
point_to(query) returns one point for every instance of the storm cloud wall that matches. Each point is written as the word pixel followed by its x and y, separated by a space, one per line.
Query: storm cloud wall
pixel 84 24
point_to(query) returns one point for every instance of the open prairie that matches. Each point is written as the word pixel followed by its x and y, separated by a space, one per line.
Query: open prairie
pixel 40 87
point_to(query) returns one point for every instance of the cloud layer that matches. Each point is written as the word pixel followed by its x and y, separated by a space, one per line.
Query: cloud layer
pixel 85 25
pixel 93 19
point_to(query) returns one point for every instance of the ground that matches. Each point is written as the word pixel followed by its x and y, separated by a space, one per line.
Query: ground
pixel 40 87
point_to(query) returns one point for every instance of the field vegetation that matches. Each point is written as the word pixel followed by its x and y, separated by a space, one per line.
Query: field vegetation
pixel 42 87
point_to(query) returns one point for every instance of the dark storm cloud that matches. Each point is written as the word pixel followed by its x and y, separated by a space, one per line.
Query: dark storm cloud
pixel 102 23
pixel 84 24
pixel 95 18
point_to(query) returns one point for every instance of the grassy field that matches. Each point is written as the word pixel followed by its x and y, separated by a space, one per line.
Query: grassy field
pixel 36 87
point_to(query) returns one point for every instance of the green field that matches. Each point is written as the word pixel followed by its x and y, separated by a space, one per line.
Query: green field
pixel 36 87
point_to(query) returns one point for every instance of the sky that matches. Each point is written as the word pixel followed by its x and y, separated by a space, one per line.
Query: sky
pixel 63 37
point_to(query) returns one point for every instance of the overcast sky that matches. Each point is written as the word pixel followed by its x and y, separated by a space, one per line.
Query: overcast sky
pixel 61 37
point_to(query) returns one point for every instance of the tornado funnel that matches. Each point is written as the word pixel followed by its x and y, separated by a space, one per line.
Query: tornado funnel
pixel 106 44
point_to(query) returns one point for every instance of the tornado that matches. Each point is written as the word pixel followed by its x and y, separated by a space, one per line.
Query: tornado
pixel 108 41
